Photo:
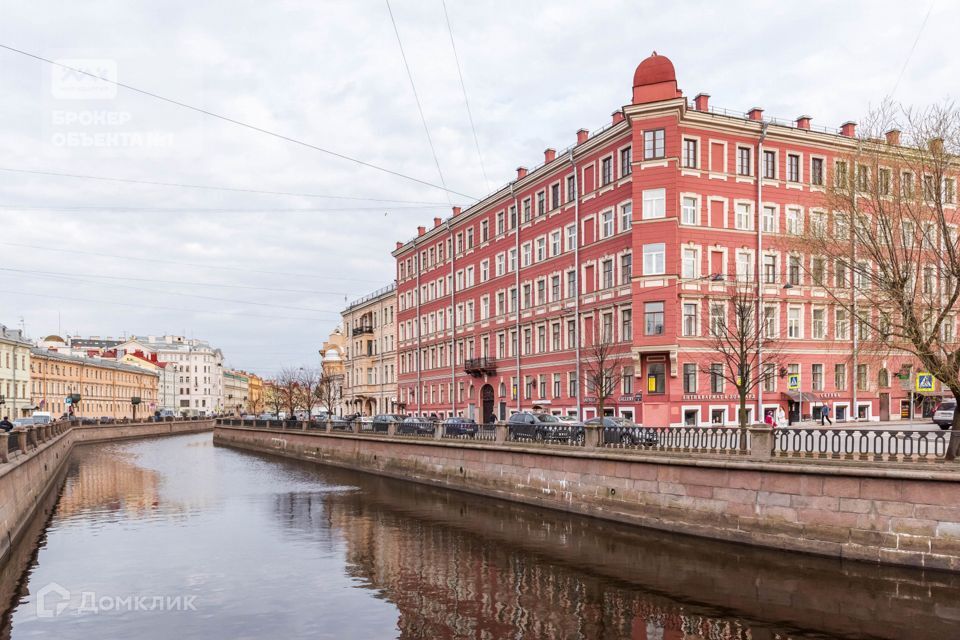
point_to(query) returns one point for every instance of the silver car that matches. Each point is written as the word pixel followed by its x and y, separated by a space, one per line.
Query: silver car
pixel 943 414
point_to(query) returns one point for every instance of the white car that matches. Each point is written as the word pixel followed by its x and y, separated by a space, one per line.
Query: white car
pixel 943 414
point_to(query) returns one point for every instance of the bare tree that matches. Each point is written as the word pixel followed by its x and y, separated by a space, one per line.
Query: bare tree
pixel 272 396
pixel 255 404
pixel 327 392
pixel 287 385
pixel 308 386
pixel 746 350
pixel 888 232
pixel 603 369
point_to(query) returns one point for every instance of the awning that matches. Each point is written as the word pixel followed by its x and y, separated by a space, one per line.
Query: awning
pixel 801 396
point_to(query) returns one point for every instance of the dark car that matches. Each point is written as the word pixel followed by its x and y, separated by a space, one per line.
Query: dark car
pixel 380 422
pixel 541 427
pixel 417 426
pixel 338 423
pixel 106 420
pixel 460 427
pixel 617 430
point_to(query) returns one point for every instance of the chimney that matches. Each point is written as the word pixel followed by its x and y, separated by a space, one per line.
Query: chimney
pixel 521 173
pixel 803 122
pixel 456 211
pixel 848 129
pixel 399 245
pixel 617 116
pixel 755 114
pixel 549 155
pixel 421 231
pixel 701 102
pixel 582 136
pixel 893 137
pixel 437 222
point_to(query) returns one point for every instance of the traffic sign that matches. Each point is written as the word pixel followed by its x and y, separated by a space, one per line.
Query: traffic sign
pixel 925 382
pixel 793 382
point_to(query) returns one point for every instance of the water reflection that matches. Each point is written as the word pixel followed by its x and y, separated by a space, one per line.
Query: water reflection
pixel 278 549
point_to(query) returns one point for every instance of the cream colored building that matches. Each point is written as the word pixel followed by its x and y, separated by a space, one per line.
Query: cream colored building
pixel 236 391
pixel 370 358
pixel 14 374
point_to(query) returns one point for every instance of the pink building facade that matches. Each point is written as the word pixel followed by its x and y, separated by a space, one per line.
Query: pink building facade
pixel 634 236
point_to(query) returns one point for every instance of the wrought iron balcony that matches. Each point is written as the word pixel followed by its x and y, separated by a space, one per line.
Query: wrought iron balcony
pixel 362 329
pixel 480 366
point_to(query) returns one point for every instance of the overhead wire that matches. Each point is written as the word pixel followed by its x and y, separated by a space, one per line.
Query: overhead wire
pixel 234 121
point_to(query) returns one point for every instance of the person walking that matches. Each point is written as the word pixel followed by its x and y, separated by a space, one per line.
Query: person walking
pixel 5 424
pixel 781 421
pixel 825 415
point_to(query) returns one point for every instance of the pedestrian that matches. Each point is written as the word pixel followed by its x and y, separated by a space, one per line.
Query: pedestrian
pixel 825 415
pixel 768 418
pixel 5 424
pixel 781 418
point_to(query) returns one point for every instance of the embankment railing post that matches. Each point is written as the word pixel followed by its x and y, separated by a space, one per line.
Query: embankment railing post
pixel 500 432
pixel 4 442
pixel 761 443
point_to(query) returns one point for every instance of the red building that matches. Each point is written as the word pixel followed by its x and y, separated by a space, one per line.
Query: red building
pixel 628 236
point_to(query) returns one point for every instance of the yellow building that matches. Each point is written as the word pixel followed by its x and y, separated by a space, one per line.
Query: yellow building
pixel 106 388
pixel 255 402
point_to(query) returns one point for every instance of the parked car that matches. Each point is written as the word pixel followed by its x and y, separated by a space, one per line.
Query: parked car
pixel 42 417
pixel 943 414
pixel 267 416
pixel 417 425
pixel 106 420
pixel 541 427
pixel 338 423
pixel 380 422
pixel 617 430
pixel 463 427
pixel 23 422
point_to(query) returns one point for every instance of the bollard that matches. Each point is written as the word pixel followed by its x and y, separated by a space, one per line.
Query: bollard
pixel 329 427
pixel 391 428
pixel 592 435
pixel 501 431
pixel 761 443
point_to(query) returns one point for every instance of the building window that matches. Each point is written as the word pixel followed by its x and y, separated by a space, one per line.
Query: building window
pixel 626 161
pixel 816 376
pixel 654 204
pixel 653 144
pixel 794 325
pixel 654 259
pixel 690 155
pixel 626 324
pixel 819 322
pixel 769 269
pixel 862 377
pixel 541 203
pixel 626 268
pixel 572 385
pixel 842 325
pixel 793 270
pixel 744 163
pixel 571 188
pixel 690 263
pixel 794 221
pixel 744 266
pixel 555 196
pixel 817 270
pixel 688 210
pixel 770 165
pixel 656 377
pixel 816 172
pixel 606 171
pixel 769 321
pixel 840 377
pixel 606 328
pixel 526 210
pixel 744 217
pixel 626 216
pixel 716 378
pixel 769 377
pixel 653 318
pixel 606 224
pixel 793 167
pixel 607 273
pixel 571 237
pixel 556 385
pixel 770 219
pixel 689 319
pixel 718 320
pixel 689 377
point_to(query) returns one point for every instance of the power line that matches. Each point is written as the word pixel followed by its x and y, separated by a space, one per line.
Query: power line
pixel 416 97
pixel 54 208
pixel 466 101
pixel 912 47
pixel 177 282
pixel 239 123
pixel 209 187
pixel 188 264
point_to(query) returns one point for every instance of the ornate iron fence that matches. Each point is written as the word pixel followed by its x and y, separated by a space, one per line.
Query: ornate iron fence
pixel 727 440
pixel 874 445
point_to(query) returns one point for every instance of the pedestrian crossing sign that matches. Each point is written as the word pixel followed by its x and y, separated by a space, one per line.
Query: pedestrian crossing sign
pixel 925 382
pixel 793 382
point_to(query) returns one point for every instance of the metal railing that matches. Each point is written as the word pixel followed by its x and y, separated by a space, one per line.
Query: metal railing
pixel 13 443
pixel 873 445
pixel 728 440
pixel 418 428
pixel 549 433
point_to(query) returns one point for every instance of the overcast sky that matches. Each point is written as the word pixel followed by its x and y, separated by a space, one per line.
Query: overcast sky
pixel 264 276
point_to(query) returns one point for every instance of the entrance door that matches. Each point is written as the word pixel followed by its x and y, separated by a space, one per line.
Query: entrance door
pixel 884 406
pixel 486 399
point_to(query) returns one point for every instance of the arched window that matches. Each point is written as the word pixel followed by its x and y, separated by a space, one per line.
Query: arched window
pixel 883 379
pixel 503 390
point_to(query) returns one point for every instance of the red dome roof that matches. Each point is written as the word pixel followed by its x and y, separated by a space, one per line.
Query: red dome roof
pixel 653 70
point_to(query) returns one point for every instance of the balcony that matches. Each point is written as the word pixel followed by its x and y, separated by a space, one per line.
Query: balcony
pixel 362 329
pixel 480 366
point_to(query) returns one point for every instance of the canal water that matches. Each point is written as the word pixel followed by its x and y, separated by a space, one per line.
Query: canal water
pixel 177 538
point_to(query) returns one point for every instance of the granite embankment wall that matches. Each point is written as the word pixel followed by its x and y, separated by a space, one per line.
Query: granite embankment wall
pixel 894 514
pixel 29 476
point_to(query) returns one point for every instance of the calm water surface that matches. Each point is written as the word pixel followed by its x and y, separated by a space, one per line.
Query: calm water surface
pixel 176 538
